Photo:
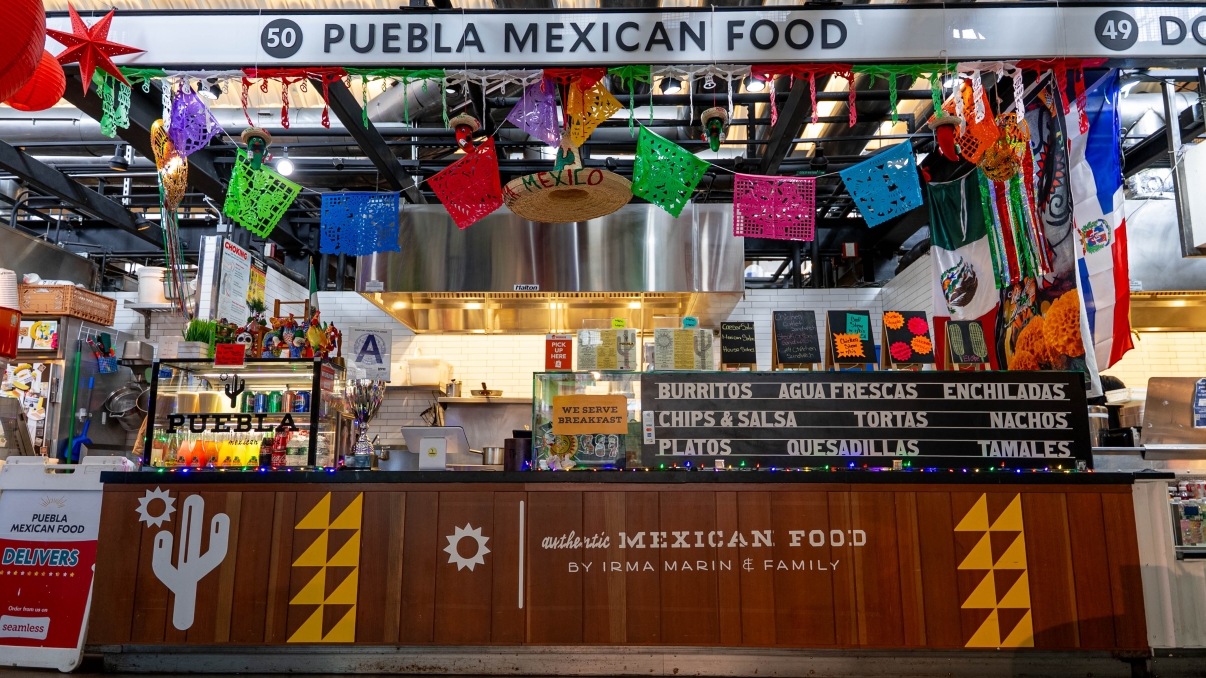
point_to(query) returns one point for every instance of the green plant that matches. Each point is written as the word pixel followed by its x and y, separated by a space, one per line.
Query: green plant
pixel 200 330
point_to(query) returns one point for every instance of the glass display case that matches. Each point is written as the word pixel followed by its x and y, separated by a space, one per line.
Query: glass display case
pixel 1187 508
pixel 276 413
pixel 615 445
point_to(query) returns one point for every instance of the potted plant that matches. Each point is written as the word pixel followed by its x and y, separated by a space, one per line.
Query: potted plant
pixel 198 340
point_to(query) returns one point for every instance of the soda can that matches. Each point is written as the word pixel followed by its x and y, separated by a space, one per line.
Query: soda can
pixel 274 401
pixel 261 402
pixel 301 401
pixel 248 402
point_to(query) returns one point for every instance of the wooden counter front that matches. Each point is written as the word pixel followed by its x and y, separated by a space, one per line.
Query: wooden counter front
pixel 800 560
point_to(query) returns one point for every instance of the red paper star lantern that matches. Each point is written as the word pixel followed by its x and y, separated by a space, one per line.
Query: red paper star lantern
pixel 91 47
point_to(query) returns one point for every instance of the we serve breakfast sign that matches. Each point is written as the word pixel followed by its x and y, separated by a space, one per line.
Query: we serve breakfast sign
pixel 575 414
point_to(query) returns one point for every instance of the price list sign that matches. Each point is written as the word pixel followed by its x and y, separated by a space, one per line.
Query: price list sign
pixel 929 419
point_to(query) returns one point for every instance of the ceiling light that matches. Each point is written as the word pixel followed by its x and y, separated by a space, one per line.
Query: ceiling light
pixel 754 85
pixel 119 163
pixel 284 166
pixel 818 161
pixel 671 86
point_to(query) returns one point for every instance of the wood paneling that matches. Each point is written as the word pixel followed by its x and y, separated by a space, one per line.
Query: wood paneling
pixel 635 564
pixel 1049 568
pixel 554 576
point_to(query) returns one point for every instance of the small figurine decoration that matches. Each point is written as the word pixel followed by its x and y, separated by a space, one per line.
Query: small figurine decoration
pixel 946 131
pixel 293 337
pixel 257 140
pixel 465 125
pixel 714 121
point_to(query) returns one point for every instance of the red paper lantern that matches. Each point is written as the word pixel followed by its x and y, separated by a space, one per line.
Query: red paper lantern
pixel 44 89
pixel 22 42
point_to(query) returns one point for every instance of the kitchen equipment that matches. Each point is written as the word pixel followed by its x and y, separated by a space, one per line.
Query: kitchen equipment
pixel 491 456
pixel 138 353
pixel 1099 418
pixel 428 371
pixel 517 451
pixel 486 392
pixel 123 405
pixel 453 389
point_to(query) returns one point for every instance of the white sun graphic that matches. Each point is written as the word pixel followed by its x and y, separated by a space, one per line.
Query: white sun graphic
pixel 168 508
pixel 471 532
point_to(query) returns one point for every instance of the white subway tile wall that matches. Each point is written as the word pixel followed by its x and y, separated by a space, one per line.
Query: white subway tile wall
pixel 911 290
pixel 1162 354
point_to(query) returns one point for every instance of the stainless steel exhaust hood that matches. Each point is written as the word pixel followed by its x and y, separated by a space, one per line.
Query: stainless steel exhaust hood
pixel 506 274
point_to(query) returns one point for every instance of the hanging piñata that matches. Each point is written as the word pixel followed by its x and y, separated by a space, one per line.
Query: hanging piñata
pixel 257 199
pixel 359 223
pixel 469 188
pixel 91 48
pixel 665 173
pixel 781 208
pixel 885 185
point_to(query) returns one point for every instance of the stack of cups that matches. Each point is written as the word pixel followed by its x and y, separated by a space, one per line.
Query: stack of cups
pixel 8 290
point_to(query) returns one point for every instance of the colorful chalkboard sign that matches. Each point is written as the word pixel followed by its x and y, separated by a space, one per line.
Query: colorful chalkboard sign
pixel 966 343
pixel 816 419
pixel 795 339
pixel 850 338
pixel 737 345
pixel 906 339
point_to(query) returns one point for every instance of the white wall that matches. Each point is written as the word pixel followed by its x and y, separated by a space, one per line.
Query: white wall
pixel 911 290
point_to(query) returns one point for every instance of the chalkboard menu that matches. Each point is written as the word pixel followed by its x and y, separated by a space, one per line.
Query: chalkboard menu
pixel 737 344
pixel 966 342
pixel 795 340
pixel 817 419
pixel 907 338
pixel 850 338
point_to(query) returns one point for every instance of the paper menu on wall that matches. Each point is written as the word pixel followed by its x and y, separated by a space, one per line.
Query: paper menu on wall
pixel 588 349
pixel 663 349
pixel 607 350
pixel 627 357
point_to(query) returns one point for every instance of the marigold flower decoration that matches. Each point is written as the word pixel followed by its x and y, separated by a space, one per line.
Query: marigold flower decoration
pixel 918 325
pixel 893 320
pixel 1031 342
pixel 1061 328
pixel 1023 360
pixel 922 344
pixel 900 351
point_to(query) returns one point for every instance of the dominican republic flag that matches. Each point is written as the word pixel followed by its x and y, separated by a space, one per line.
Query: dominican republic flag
pixel 1095 178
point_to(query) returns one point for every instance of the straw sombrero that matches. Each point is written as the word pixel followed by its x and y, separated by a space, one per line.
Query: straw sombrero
pixel 569 192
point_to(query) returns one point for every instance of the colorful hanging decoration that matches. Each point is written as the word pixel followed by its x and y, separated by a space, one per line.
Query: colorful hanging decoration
pixel 288 77
pixel 464 125
pixel 665 173
pixel 781 208
pixel 946 133
pixel 91 48
pixel 45 86
pixel 977 134
pixel 885 185
pixel 569 193
pixel 403 76
pixel 536 113
pixel 890 73
pixel 714 120
pixel 115 103
pixel 192 124
pixel 359 223
pixel 173 181
pixel 257 141
pixel 22 46
pixel 768 74
pixel 706 76
pixel 587 108
pixel 257 199
pixel 628 77
pixel 469 187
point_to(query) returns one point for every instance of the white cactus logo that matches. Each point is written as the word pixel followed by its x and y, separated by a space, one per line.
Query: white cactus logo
pixel 191 566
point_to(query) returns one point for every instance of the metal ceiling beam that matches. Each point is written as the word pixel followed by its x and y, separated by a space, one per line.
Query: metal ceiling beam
pixel 145 109
pixel 783 134
pixel 370 140
pixel 53 182
pixel 1153 149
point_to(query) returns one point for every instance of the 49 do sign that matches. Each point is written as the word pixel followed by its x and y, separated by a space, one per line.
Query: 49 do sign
pixel 930 419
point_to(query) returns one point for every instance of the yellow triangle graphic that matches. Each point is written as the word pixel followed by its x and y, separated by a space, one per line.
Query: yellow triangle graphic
pixel 348 554
pixel 316 554
pixel 318 516
pixel 1022 635
pixel 312 592
pixel 310 631
pixel 976 519
pixel 980 557
pixel 989 633
pixel 1011 519
pixel 985 595
pixel 1014 557
pixel 345 630
pixel 1018 596
pixel 345 593
pixel 350 518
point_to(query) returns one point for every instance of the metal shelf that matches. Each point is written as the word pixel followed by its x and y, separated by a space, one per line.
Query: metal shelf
pixel 145 310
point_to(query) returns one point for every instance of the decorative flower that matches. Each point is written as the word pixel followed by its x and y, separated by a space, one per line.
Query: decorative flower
pixel 1061 328
pixel 922 344
pixel 1023 360
pixel 1031 340
pixel 900 352
pixel 918 325
pixel 893 320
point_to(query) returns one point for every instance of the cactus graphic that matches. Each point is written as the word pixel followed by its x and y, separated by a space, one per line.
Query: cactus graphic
pixel 233 393
pixel 191 566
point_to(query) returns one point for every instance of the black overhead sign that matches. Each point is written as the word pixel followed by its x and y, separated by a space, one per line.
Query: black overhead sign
pixel 930 419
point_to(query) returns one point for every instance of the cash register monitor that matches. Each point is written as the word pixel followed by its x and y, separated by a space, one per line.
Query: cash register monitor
pixel 455 444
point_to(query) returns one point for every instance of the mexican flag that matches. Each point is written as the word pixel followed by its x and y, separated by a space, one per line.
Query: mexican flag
pixel 961 260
